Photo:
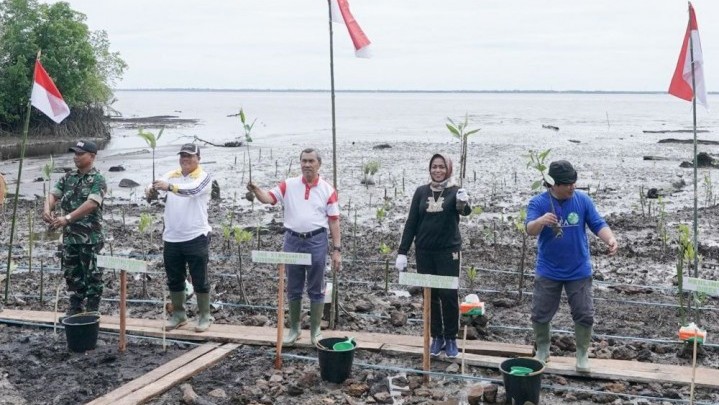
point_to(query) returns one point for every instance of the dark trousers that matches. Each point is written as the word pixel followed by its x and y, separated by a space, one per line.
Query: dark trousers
pixel 179 256
pixel 547 294
pixel 445 302
pixel 79 266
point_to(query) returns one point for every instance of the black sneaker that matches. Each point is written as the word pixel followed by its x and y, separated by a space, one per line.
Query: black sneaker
pixel 437 346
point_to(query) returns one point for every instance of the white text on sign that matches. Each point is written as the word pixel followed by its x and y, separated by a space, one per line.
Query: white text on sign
pixel 709 287
pixel 122 263
pixel 429 280
pixel 262 256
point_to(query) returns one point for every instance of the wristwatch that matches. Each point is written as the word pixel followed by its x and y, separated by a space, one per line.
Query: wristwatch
pixel 68 218
pixel 337 248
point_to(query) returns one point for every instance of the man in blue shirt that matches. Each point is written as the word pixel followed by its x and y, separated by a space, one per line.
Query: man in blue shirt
pixel 559 217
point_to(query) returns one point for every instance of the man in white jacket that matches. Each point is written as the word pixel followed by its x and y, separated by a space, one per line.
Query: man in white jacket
pixel 187 235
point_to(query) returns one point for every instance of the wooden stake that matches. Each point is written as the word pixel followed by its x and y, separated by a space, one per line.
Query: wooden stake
pixel 280 316
pixel 694 368
pixel 426 314
pixel 54 315
pixel 163 310
pixel 464 346
pixel 123 310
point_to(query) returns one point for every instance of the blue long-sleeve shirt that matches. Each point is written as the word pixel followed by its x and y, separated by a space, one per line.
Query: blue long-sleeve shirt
pixel 565 258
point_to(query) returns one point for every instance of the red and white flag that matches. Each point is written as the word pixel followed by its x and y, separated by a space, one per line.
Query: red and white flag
pixel 341 14
pixel 46 97
pixel 681 85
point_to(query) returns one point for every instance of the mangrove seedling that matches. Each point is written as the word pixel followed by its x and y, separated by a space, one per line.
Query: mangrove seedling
pixel 460 131
pixel 537 160
pixel 47 170
pixel 369 169
pixel 471 274
pixel 380 214
pixel 151 140
pixel 145 227
pixel 247 128
pixel 685 254
pixel 385 250
pixel 521 228
pixel 241 237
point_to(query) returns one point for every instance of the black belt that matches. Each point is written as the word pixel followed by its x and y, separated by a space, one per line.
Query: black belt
pixel 305 235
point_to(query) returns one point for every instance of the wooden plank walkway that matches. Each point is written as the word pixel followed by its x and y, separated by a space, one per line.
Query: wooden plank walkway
pixel 265 336
pixel 479 353
pixel 161 379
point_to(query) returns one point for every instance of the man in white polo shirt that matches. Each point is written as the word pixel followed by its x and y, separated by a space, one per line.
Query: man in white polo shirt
pixel 187 235
pixel 310 209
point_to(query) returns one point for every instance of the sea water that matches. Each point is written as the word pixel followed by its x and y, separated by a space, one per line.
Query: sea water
pixel 305 118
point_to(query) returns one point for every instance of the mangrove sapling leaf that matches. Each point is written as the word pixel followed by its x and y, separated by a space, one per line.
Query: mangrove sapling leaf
pixel 460 131
pixel 537 160
pixel 247 128
pixel 471 274
pixel 151 140
pixel 241 237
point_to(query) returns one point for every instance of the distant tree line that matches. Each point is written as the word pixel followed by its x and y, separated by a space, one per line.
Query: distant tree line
pixel 78 60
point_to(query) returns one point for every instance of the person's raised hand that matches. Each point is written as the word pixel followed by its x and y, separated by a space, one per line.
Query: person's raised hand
pixel 401 263
pixel 462 195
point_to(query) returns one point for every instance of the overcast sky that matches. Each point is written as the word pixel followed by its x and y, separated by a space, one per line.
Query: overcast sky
pixel 417 44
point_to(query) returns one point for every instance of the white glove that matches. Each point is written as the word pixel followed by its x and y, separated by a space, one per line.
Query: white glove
pixel 462 195
pixel 401 263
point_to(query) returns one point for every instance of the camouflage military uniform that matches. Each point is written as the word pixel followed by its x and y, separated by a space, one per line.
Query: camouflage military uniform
pixel 82 238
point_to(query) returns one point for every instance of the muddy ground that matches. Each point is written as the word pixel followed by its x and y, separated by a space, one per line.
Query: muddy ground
pixel 637 306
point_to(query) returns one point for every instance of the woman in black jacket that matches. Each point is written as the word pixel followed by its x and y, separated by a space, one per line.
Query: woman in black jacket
pixel 433 226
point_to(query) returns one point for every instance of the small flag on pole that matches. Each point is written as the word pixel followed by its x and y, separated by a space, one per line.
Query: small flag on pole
pixel 341 14
pixel 46 97
pixel 681 85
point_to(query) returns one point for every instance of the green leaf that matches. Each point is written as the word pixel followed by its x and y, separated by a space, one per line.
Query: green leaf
pixel 536 184
pixel 162 129
pixel 453 130
pixel 474 131
pixel 242 115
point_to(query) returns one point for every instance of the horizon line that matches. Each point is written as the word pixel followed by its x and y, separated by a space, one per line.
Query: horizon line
pixel 210 89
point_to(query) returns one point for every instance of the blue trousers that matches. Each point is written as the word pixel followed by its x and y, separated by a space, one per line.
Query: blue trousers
pixel 313 274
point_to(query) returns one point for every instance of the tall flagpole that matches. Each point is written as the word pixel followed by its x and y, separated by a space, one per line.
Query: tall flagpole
pixel 25 127
pixel 696 163
pixel 333 304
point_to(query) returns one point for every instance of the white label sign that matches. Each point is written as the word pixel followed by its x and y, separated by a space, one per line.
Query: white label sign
pixel 261 256
pixel 429 280
pixel 709 287
pixel 122 263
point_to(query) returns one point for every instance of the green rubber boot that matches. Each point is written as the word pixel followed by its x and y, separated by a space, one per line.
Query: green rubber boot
pixel 179 317
pixel 316 309
pixel 583 336
pixel 294 332
pixel 205 319
pixel 543 340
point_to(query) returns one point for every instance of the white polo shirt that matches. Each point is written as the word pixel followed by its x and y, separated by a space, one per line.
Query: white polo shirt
pixel 186 206
pixel 307 206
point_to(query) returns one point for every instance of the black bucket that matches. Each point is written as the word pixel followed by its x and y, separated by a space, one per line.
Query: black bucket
pixel 81 331
pixel 522 389
pixel 335 366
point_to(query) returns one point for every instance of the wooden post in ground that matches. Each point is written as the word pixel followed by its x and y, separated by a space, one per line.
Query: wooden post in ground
pixel 124 265
pixel 280 316
pixel 426 315
pixel 123 309
pixel 281 258
pixel 427 281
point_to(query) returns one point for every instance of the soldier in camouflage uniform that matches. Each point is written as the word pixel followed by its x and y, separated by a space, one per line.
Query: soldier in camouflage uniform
pixel 80 194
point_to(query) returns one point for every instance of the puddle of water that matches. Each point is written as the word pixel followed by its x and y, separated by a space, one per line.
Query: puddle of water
pixel 400 293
